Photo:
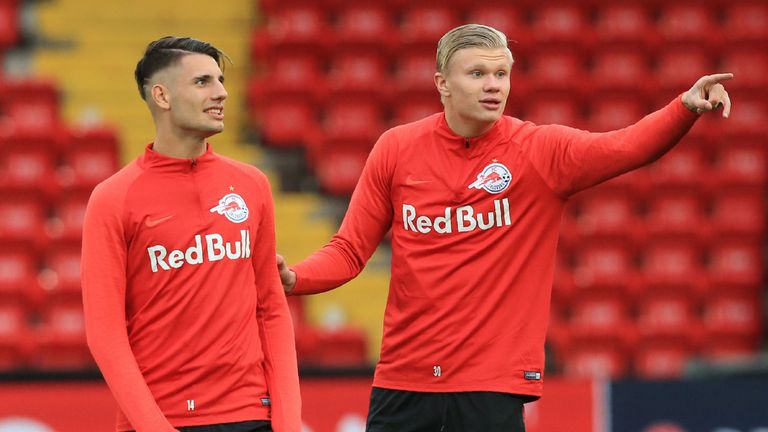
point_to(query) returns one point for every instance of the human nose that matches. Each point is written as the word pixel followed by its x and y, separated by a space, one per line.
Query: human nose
pixel 492 84
pixel 220 92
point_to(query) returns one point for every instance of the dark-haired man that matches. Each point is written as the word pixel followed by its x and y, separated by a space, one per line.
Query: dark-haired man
pixel 185 314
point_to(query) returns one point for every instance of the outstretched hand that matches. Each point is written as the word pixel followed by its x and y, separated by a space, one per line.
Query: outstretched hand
pixel 287 276
pixel 707 94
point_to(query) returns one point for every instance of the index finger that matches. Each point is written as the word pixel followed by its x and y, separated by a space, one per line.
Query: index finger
pixel 715 78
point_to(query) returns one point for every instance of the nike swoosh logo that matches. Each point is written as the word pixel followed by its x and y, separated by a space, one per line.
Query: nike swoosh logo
pixel 411 182
pixel 153 223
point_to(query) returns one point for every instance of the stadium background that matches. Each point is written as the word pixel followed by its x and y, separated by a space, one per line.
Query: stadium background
pixel 661 273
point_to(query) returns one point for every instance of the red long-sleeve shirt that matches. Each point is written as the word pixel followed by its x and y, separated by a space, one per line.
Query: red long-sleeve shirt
pixel 475 224
pixel 184 310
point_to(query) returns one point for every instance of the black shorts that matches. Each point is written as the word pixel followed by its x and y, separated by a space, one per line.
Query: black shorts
pixel 407 411
pixel 246 426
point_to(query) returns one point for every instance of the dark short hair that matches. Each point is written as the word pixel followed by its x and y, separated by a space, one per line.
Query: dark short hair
pixel 166 52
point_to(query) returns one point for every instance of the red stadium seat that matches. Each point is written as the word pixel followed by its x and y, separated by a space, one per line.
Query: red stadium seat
pixel 743 164
pixel 22 219
pixel 556 70
pixel 605 266
pixel 91 158
pixel 553 109
pixel 366 25
pixel 359 73
pixel 604 361
pixel 426 24
pixel 30 168
pixel 287 122
pixel 737 263
pixel 337 348
pixel 668 314
pixel 31 105
pixel 677 214
pixel 303 26
pixel 748 65
pixel 746 22
pixel 670 264
pixel 601 316
pixel 62 337
pixel 748 120
pixel 410 110
pixel 9 23
pixel 625 24
pixel 684 167
pixel 414 73
pixel 661 360
pixel 293 73
pixel 339 168
pixel 614 113
pixel 561 23
pixel 15 340
pixel 68 216
pixel 687 22
pixel 734 314
pixel 621 69
pixel 607 214
pixel 61 274
pixel 729 348
pixel 678 68
pixel 507 18
pixel 739 212
pixel 354 120
pixel 18 273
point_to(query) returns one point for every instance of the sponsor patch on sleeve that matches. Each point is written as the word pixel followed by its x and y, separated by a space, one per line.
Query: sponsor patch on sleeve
pixel 532 375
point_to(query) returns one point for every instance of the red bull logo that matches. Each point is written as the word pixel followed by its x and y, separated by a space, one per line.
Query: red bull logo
pixel 460 219
pixel 211 248
pixel 233 207
pixel 494 178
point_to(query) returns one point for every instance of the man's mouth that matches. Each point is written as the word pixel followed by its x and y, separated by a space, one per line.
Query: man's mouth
pixel 216 112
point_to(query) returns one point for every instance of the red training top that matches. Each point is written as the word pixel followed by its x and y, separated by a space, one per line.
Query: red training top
pixel 475 223
pixel 184 310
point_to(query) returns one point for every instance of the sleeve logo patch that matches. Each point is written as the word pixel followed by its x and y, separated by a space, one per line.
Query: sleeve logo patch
pixel 532 375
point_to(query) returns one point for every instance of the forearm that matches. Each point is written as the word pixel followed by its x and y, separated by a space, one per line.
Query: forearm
pixel 327 268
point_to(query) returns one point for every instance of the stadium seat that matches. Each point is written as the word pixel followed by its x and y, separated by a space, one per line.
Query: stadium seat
pixel 28 168
pixel 344 347
pixel 414 73
pixel 688 22
pixel 621 69
pixel 291 73
pixel 677 214
pixel 359 73
pixel 661 360
pixel 746 22
pixel 678 68
pixel 22 219
pixel 731 314
pixel 607 214
pixel 362 25
pixel 303 26
pixel 505 17
pixel 15 340
pixel 285 122
pixel 425 24
pixel 671 264
pixel 749 65
pixel 612 113
pixel 742 164
pixel 31 105
pixel 353 120
pixel 9 23
pixel 736 263
pixel 684 167
pixel 18 273
pixel 412 109
pixel 554 109
pixel 561 23
pixel 339 168
pixel 603 316
pixel 729 348
pixel 625 24
pixel 750 122
pixel 668 314
pixel 68 215
pixel 555 70
pixel 61 272
pixel 604 266
pixel 62 344
pixel 601 361
pixel 92 157
pixel 739 212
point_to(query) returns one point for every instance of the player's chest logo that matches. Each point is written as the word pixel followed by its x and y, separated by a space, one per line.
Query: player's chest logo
pixel 233 207
pixel 494 178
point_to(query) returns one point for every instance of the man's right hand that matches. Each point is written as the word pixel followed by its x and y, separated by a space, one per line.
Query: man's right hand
pixel 287 276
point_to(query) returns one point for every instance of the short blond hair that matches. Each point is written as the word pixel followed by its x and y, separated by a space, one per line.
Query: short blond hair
pixel 468 36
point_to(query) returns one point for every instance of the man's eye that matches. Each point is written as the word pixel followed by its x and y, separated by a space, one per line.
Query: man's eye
pixel 477 74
